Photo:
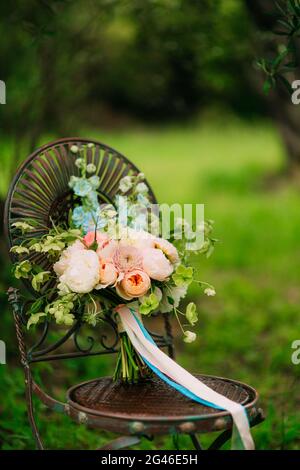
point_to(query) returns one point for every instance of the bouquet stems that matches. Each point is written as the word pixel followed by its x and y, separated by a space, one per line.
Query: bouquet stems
pixel 130 367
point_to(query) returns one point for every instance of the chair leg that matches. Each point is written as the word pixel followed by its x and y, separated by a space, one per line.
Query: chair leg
pixel 226 435
pixel 30 409
pixel 220 440
pixel 196 442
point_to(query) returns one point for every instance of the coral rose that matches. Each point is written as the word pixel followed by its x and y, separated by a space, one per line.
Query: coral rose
pixel 134 284
pixel 108 275
pixel 156 265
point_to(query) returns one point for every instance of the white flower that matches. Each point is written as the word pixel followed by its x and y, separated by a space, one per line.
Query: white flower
pixel 156 265
pixel 189 336
pixel 91 168
pixel 176 293
pixel 64 260
pixel 142 188
pixel 138 238
pixel 125 184
pixel 74 149
pixel 79 162
pixel 82 273
pixel 210 292
pixel 140 177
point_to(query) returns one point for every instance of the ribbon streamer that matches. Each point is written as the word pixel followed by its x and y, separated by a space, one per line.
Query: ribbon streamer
pixel 180 379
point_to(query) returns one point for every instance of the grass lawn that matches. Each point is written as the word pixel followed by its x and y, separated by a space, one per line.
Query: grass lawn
pixel 246 331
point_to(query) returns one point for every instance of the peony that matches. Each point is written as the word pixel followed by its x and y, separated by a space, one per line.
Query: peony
pixel 127 258
pixel 138 238
pixel 134 284
pixel 156 265
pixel 82 273
pixel 62 264
pixel 89 238
pixel 107 250
pixel 168 249
pixel 108 275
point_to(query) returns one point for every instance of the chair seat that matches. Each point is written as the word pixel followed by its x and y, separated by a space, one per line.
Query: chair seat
pixel 153 407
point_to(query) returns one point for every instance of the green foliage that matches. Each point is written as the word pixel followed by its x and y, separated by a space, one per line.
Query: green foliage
pixel 285 60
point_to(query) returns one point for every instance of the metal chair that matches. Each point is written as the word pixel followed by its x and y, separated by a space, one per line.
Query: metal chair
pixel 40 191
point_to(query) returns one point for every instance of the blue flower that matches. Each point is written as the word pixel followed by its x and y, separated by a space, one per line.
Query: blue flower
pixel 82 187
pixel 78 216
pixel 92 199
pixel 94 181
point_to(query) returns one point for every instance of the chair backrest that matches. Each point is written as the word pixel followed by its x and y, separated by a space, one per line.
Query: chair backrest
pixel 40 192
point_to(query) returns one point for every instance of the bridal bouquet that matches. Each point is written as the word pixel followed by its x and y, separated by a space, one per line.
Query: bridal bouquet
pixel 108 255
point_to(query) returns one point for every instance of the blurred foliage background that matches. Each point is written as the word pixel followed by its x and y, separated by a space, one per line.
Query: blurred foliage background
pixel 172 84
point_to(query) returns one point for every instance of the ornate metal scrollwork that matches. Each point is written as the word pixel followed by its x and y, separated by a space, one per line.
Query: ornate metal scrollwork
pixel 76 332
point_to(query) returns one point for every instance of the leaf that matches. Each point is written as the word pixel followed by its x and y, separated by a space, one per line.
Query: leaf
pixel 35 306
pixel 276 62
pixel 34 319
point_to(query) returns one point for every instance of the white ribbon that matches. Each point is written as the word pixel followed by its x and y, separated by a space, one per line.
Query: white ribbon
pixel 152 354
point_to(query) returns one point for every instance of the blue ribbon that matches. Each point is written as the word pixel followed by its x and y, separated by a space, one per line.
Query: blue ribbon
pixel 179 388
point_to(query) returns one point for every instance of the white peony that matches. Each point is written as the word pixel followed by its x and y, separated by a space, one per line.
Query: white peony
pixel 83 271
pixel 63 262
pixel 137 238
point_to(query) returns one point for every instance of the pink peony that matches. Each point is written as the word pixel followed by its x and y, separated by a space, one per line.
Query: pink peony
pixel 89 238
pixel 134 284
pixel 156 265
pixel 168 249
pixel 127 258
pixel 108 275
pixel 107 250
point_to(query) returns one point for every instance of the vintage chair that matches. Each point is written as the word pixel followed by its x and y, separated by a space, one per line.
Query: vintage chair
pixel 40 191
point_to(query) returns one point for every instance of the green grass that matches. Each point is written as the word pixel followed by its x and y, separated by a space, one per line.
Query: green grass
pixel 246 331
